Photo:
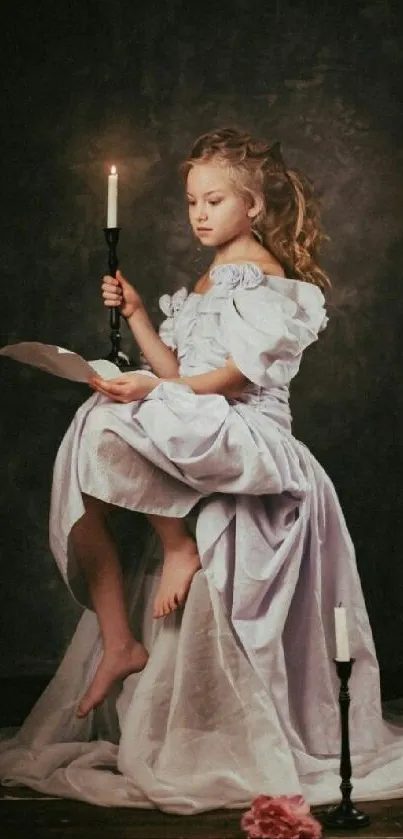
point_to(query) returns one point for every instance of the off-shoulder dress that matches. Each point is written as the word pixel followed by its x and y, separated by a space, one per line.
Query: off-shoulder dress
pixel 165 453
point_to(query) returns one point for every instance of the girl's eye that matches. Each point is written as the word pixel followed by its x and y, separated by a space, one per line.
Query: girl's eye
pixel 217 201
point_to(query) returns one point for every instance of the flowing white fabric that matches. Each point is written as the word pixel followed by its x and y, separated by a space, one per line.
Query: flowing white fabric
pixel 240 693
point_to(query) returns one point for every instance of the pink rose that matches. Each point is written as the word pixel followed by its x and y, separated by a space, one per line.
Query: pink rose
pixel 284 817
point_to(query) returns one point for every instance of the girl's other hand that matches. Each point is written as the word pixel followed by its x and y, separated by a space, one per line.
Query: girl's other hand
pixel 126 388
pixel 118 292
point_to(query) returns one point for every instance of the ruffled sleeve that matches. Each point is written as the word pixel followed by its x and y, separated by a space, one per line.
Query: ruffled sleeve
pixel 268 326
pixel 170 305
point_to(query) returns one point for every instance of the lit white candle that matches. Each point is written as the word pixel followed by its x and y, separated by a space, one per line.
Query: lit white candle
pixel 112 215
pixel 342 644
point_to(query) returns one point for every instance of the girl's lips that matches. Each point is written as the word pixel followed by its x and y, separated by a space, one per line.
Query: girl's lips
pixel 204 229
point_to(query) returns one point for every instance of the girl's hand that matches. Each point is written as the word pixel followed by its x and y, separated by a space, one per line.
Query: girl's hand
pixel 116 291
pixel 126 388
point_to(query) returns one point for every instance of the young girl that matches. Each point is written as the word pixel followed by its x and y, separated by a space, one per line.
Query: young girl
pixel 214 417
pixel 239 695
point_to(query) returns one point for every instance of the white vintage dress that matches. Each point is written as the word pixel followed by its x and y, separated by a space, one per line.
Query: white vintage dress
pixel 240 693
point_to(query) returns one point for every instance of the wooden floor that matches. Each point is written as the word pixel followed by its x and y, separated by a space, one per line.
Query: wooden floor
pixel 43 818
pixel 24 814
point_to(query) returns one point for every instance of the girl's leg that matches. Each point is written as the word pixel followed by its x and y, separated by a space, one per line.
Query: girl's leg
pixel 181 561
pixel 97 555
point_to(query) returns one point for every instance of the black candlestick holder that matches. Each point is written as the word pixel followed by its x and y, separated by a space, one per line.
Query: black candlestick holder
pixel 116 355
pixel 345 815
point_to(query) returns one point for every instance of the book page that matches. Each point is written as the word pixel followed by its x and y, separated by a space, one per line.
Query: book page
pixel 60 361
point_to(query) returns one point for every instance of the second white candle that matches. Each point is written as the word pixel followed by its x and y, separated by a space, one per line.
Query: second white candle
pixel 342 642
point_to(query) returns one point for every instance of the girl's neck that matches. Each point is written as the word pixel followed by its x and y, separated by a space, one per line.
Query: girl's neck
pixel 242 248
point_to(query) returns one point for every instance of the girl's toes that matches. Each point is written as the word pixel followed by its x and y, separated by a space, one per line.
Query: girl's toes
pixel 172 604
pixel 157 613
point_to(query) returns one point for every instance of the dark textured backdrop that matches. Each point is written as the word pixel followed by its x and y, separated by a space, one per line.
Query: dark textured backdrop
pixel 92 83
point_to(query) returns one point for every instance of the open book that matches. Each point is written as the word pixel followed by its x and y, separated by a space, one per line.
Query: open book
pixel 60 362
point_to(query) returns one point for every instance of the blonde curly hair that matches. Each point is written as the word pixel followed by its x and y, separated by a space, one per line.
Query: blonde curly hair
pixel 288 224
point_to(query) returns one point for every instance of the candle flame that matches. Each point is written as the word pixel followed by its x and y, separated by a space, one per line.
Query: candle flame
pixel 113 170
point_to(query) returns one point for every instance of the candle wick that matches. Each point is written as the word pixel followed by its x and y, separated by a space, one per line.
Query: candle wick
pixel 340 603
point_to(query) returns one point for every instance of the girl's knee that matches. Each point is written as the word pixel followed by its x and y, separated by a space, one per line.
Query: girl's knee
pixel 97 420
pixel 95 505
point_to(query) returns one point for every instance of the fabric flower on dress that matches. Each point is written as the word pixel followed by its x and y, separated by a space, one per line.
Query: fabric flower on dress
pixel 283 817
pixel 171 304
pixel 247 275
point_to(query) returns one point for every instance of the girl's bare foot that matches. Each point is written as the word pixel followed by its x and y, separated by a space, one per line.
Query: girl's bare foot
pixel 114 666
pixel 180 566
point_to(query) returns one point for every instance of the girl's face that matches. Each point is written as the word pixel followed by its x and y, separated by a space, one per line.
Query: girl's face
pixel 217 213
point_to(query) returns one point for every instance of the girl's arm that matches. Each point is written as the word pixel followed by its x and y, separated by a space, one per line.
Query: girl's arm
pixel 227 381
pixel 161 358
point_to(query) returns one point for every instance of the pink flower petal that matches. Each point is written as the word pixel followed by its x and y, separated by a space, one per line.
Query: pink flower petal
pixel 281 817
pixel 298 804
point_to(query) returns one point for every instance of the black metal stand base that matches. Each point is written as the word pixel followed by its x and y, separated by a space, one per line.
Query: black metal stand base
pixel 116 355
pixel 345 815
